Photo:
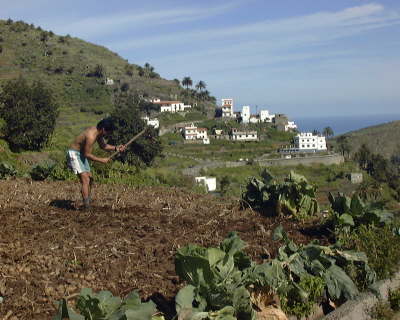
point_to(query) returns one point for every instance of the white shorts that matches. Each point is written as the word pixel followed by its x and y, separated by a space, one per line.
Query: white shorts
pixel 77 162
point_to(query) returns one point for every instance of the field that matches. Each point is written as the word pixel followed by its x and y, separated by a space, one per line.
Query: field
pixel 127 241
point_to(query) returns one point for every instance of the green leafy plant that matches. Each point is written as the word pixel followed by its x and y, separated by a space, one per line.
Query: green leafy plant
pixel 301 275
pixel 295 196
pixel 349 213
pixel 104 306
pixel 7 170
pixel 381 245
pixel 42 171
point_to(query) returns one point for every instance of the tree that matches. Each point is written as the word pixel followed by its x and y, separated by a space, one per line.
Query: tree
pixel 30 114
pixel 187 82
pixel 343 145
pixel 363 157
pixel 127 120
pixel 327 132
pixel 200 86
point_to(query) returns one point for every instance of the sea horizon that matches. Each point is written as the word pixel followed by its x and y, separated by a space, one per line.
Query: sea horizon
pixel 343 124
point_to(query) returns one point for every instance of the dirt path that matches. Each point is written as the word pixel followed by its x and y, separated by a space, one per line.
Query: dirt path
pixel 127 241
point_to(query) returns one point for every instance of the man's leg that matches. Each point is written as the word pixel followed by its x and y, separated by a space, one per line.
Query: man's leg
pixel 91 183
pixel 85 188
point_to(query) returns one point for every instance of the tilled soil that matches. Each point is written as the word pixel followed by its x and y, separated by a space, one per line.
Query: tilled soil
pixel 50 250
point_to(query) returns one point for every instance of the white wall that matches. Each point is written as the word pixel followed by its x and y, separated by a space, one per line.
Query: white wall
pixel 209 182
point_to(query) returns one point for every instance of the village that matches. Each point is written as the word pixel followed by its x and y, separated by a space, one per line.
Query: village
pixel 301 144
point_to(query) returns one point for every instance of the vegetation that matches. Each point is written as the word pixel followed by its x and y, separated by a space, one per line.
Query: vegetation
pixel 292 197
pixel 379 139
pixel 127 120
pixel 29 113
pixel 103 305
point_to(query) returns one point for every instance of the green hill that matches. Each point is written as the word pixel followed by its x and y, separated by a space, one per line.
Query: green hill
pixel 382 139
pixel 76 70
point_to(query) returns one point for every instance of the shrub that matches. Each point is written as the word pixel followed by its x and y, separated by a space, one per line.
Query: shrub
pixel 30 114
pixel 381 245
pixel 7 170
pixel 42 171
pixel 127 120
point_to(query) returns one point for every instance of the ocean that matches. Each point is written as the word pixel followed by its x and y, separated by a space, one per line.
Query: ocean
pixel 343 124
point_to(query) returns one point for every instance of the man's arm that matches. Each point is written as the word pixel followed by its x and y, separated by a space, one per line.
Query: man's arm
pixel 108 147
pixel 87 150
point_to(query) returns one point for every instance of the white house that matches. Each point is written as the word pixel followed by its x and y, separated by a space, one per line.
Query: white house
pixel 171 106
pixel 237 135
pixel 109 82
pixel 254 119
pixel 209 182
pixel 227 108
pixel 290 126
pixel 194 133
pixel 265 116
pixel 151 122
pixel 307 142
pixel 245 114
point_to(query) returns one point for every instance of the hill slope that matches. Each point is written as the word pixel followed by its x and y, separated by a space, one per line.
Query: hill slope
pixel 382 139
pixel 70 67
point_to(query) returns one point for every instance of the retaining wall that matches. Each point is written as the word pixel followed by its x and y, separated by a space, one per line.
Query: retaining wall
pixel 306 161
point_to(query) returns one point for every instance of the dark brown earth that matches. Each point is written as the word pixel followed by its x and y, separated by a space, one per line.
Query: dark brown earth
pixel 49 250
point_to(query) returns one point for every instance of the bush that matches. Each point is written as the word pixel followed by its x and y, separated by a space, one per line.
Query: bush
pixel 30 114
pixel 7 170
pixel 381 245
pixel 127 120
pixel 42 171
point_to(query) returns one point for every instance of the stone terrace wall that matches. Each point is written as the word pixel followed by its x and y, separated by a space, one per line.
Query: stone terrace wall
pixel 306 161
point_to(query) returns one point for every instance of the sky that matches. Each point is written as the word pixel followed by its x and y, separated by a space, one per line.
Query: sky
pixel 299 57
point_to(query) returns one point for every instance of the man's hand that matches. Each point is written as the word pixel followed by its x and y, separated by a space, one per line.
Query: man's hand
pixel 121 148
pixel 104 160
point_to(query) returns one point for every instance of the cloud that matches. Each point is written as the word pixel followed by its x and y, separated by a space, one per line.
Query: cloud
pixel 315 27
pixel 119 22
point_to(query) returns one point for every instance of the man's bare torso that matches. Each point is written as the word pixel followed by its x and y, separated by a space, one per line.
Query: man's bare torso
pixel 87 136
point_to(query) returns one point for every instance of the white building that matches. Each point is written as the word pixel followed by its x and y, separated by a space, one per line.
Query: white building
pixel 265 116
pixel 194 133
pixel 227 108
pixel 237 135
pixel 171 106
pixel 109 82
pixel 290 126
pixel 245 114
pixel 209 182
pixel 306 142
pixel 151 122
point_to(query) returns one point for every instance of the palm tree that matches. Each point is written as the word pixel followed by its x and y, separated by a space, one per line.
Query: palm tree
pixel 327 132
pixel 149 69
pixel 187 82
pixel 200 86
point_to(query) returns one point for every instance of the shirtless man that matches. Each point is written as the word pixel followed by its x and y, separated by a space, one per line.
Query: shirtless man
pixel 81 150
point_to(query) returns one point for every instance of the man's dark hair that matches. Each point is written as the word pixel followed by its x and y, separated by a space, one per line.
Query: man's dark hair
pixel 106 124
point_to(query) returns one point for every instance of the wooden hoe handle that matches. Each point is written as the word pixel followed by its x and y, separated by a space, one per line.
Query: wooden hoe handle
pixel 129 142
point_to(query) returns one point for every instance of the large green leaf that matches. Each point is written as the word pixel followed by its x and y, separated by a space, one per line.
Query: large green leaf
pixel 144 311
pixel 64 312
pixel 339 283
pixel 346 220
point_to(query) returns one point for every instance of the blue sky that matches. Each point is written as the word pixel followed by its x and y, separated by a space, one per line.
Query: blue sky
pixel 300 57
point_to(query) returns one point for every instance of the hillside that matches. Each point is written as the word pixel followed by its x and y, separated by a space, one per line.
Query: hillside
pixel 382 139
pixel 76 70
